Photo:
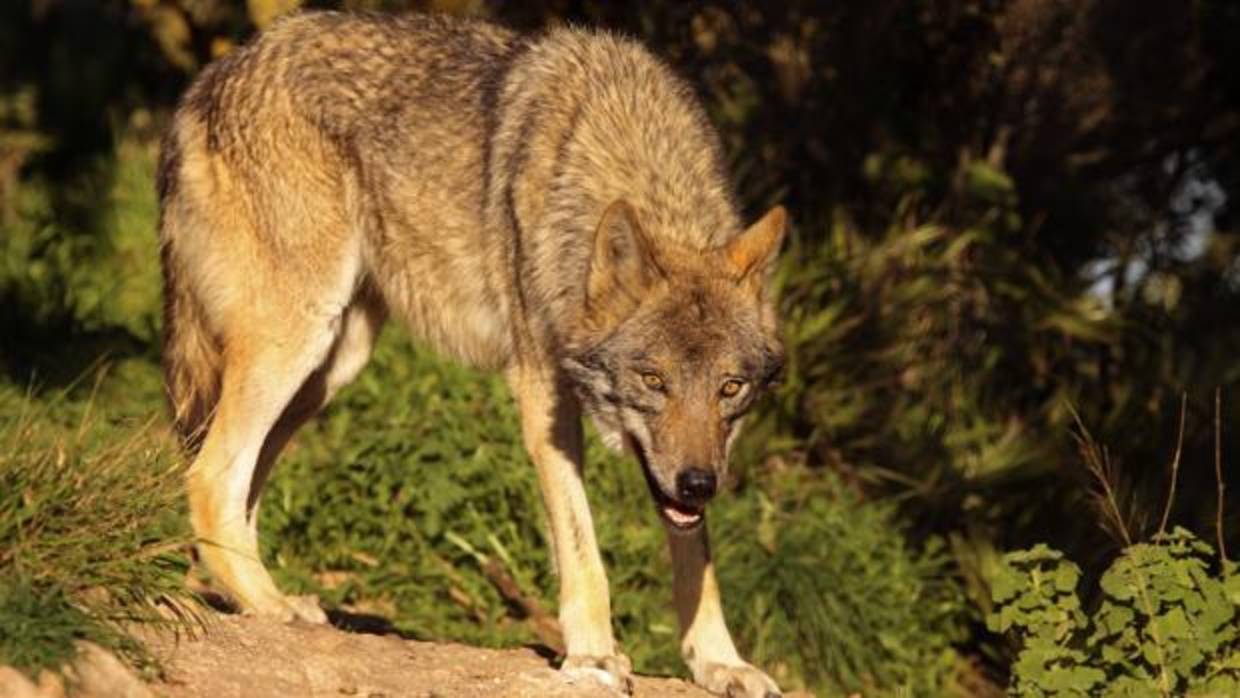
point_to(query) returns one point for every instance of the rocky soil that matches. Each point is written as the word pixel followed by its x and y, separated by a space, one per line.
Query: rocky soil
pixel 245 657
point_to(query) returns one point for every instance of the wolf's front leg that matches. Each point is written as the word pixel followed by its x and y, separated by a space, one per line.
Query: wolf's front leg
pixel 551 427
pixel 705 642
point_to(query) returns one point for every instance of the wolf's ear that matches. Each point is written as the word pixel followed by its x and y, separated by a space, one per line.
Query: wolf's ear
pixel 623 261
pixel 752 253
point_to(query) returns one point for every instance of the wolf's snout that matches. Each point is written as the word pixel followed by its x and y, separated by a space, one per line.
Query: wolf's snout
pixel 696 486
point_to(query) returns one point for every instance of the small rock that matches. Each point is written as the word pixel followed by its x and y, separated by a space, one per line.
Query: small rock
pixel 14 684
pixel 51 685
pixel 97 673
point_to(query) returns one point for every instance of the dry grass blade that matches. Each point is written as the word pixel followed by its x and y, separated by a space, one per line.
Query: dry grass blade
pixel 543 623
pixel 1218 471
pixel 1175 466
pixel 1098 461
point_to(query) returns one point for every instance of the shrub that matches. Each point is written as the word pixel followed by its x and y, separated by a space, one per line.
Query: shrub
pixel 1165 624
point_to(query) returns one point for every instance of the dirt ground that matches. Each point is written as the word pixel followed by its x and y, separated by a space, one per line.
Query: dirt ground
pixel 253 657
pixel 245 657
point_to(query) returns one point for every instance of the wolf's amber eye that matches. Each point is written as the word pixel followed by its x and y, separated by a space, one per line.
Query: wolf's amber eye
pixel 731 387
pixel 652 381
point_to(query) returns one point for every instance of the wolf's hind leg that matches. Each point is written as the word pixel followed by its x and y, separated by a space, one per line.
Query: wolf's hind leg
pixel 551 427
pixel 264 369
pixel 360 326
pixel 705 642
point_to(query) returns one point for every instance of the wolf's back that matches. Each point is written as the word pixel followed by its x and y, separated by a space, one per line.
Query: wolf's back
pixel 468 165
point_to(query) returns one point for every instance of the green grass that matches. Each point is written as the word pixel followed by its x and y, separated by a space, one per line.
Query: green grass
pixel 91 516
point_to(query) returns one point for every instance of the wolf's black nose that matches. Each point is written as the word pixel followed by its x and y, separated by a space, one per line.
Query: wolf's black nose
pixel 695 485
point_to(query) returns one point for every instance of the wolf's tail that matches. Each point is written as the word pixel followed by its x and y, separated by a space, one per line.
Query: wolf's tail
pixel 192 358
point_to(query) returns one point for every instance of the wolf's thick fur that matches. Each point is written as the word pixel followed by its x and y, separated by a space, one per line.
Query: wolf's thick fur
pixel 554 206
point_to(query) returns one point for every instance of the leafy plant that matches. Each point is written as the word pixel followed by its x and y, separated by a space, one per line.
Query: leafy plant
pixel 1165 624
pixel 1035 594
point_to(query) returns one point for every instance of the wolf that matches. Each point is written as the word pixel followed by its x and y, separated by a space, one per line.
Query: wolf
pixel 553 206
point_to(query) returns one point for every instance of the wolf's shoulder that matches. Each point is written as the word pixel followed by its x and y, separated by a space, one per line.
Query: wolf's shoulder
pixel 594 49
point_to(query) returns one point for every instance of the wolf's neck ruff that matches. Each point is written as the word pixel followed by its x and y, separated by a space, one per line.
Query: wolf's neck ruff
pixel 586 119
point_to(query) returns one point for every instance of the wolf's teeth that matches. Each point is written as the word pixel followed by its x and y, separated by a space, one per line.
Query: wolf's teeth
pixel 680 518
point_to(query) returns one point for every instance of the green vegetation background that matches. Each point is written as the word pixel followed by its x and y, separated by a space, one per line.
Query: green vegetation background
pixel 1004 212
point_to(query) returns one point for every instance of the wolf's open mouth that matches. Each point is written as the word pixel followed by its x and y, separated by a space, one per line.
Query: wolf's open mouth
pixel 678 515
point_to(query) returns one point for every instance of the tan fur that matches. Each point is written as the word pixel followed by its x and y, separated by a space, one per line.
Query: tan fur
pixel 553 206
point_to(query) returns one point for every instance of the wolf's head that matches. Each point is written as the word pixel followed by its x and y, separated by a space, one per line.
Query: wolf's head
pixel 676 345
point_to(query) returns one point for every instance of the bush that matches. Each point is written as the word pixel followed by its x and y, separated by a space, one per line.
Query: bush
pixel 81 253
pixel 1165 624
pixel 926 360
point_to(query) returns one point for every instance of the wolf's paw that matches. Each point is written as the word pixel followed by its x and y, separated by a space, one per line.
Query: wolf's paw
pixel 735 681
pixel 287 609
pixel 614 671
pixel 306 608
